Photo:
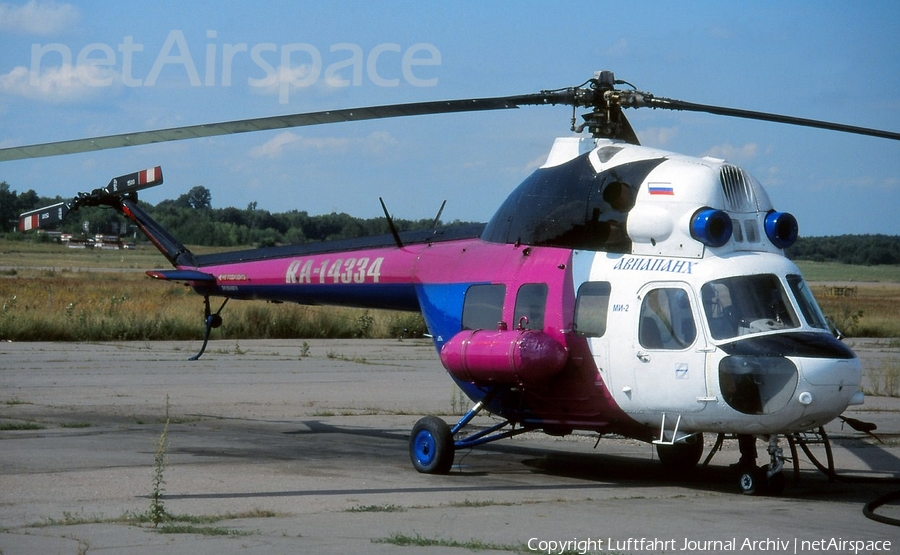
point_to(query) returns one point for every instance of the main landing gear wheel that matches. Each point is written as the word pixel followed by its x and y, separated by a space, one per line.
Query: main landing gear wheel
pixel 431 446
pixel 681 456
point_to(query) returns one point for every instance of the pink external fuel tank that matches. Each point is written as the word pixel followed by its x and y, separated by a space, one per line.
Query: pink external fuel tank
pixel 503 356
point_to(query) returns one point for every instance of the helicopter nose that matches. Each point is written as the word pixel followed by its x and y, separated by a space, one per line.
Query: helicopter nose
pixel 840 373
pixel 828 386
pixel 825 388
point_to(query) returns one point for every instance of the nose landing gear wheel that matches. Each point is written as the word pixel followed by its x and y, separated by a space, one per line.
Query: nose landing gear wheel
pixel 767 479
pixel 750 480
pixel 431 446
pixel 756 481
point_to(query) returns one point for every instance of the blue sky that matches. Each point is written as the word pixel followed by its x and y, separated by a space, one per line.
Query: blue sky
pixel 142 65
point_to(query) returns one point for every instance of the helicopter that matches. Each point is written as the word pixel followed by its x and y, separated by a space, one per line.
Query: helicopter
pixel 620 289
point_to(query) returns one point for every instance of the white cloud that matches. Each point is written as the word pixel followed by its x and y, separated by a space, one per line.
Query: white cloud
pixel 376 143
pixel 288 79
pixel 44 18
pixel 741 154
pixel 536 162
pixel 657 136
pixel 618 49
pixel 290 141
pixel 61 84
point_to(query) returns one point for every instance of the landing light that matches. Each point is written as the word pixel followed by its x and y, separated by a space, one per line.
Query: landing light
pixel 711 227
pixel 781 229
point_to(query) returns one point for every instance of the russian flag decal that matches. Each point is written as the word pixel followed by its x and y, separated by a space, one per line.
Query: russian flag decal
pixel 660 189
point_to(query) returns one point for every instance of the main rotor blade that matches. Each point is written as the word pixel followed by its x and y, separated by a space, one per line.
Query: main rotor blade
pixel 281 122
pixel 672 104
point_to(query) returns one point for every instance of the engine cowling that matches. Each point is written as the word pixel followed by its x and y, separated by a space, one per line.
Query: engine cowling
pixel 503 357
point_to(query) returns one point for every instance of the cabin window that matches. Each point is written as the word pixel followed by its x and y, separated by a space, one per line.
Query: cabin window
pixel 746 304
pixel 531 302
pixel 591 308
pixel 666 320
pixel 483 307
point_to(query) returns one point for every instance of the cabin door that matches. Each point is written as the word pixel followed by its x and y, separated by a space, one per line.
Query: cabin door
pixel 669 360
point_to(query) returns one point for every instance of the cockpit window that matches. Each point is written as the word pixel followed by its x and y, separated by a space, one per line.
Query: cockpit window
pixel 808 305
pixel 746 304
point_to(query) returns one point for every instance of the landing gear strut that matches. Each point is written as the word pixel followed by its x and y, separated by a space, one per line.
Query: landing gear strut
pixel 768 478
pixel 212 321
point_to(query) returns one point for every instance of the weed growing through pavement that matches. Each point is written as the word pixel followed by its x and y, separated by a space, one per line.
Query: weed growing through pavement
pixel 886 378
pixel 17 426
pixel 386 508
pixel 472 545
pixel 458 402
pixel 158 513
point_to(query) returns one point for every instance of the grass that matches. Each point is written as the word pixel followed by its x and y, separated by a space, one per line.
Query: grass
pixel 51 293
pixel 386 508
pixel 174 524
pixel 404 540
pixel 834 271
pixel 85 305
pixel 874 311
pixel 18 426
pixel 157 512
pixel 75 425
pixel 885 379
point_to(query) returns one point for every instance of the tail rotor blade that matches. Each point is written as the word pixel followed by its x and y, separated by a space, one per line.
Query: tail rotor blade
pixel 119 188
pixel 43 217
pixel 134 181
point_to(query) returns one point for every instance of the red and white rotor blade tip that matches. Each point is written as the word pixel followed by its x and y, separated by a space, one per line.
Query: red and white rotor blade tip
pixel 134 181
pixel 43 217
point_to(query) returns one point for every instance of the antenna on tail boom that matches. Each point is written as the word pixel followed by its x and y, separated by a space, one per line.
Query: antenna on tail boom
pixel 390 222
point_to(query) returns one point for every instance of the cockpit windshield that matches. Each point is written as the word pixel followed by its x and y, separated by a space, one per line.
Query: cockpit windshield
pixel 808 306
pixel 747 304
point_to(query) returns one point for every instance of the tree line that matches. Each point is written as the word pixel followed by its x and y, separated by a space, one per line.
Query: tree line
pixel 193 220
pixel 865 250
